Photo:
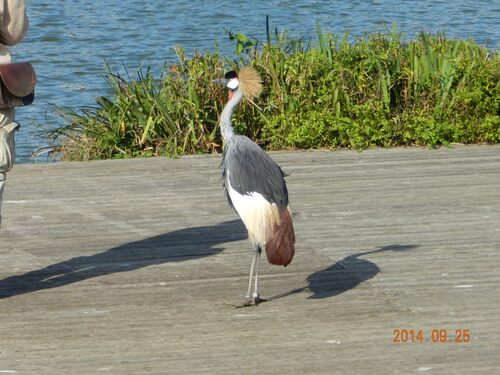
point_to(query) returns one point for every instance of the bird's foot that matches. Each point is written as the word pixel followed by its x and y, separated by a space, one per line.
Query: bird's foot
pixel 255 298
pixel 254 301
pixel 247 303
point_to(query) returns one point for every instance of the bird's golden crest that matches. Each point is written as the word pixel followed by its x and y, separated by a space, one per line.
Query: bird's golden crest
pixel 250 82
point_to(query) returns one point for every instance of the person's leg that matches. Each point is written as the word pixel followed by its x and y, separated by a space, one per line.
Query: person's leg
pixel 2 184
pixel 7 148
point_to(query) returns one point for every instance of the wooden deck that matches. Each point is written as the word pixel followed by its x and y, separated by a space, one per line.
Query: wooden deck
pixel 137 266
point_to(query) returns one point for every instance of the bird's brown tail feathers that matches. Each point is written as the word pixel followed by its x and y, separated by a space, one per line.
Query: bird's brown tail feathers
pixel 280 247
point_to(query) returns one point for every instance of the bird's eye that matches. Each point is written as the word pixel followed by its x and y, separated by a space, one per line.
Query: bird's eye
pixel 233 84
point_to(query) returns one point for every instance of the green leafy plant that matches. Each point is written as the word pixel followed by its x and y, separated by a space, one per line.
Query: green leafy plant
pixel 378 90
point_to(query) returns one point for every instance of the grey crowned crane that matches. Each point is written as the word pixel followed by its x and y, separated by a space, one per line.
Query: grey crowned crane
pixel 254 184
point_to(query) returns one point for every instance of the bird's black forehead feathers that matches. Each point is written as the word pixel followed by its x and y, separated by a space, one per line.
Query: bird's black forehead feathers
pixel 231 74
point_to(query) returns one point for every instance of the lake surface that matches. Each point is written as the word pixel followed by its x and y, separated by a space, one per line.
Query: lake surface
pixel 69 41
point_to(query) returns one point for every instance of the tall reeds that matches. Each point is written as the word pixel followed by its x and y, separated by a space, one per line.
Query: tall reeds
pixel 378 90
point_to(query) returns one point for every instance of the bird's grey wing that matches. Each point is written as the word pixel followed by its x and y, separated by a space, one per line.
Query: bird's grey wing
pixel 249 169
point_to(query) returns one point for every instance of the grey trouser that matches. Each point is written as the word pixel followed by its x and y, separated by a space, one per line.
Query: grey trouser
pixel 7 148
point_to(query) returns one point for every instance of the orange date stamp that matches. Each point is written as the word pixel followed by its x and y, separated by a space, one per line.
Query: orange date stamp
pixel 436 336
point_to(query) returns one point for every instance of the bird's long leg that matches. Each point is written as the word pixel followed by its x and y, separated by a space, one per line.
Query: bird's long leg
pixel 249 292
pixel 255 295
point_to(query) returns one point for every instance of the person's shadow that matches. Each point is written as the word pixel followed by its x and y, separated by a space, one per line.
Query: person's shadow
pixel 344 275
pixel 177 246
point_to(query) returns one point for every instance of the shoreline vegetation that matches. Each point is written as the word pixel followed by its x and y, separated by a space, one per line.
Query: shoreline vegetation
pixel 328 93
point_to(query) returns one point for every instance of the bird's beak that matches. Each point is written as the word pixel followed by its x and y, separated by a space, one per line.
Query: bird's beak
pixel 222 81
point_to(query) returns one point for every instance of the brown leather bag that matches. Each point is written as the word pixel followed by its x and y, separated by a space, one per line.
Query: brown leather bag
pixel 17 84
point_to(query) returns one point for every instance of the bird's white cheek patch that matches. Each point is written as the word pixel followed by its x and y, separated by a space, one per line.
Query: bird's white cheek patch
pixel 233 84
pixel 258 215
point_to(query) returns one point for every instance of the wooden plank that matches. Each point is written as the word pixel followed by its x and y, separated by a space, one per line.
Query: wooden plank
pixel 136 266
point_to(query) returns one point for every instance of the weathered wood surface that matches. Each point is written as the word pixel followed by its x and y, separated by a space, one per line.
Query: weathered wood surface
pixel 136 266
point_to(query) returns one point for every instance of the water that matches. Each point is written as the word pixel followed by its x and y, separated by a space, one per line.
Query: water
pixel 69 41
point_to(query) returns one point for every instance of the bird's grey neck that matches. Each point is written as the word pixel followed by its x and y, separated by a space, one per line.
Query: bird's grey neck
pixel 226 127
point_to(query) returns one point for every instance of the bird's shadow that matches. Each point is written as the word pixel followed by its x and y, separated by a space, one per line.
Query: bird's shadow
pixel 343 275
pixel 176 246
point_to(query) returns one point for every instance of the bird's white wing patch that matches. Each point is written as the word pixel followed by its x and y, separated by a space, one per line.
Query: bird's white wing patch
pixel 259 215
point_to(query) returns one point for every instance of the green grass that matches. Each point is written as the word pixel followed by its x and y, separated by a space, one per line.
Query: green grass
pixel 376 91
